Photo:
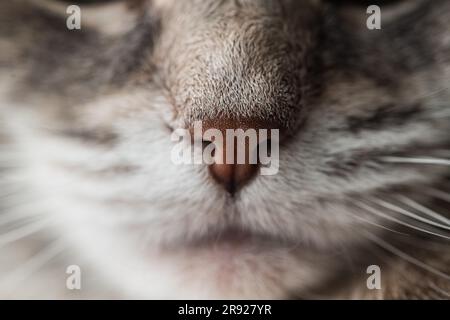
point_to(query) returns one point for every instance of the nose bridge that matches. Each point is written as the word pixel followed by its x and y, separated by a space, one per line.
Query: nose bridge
pixel 233 62
pixel 242 79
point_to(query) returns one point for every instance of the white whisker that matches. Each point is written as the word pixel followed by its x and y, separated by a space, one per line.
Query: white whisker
pixel 425 210
pixel 432 161
pixel 407 213
pixel 376 224
pixel 405 256
pixel 439 290
pixel 383 215
pixel 438 194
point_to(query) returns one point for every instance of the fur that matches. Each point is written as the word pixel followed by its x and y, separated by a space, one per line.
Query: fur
pixel 86 176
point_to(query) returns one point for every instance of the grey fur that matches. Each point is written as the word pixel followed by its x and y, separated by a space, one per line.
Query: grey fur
pixel 346 96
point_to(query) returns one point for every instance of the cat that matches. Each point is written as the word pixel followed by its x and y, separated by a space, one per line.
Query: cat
pixel 86 178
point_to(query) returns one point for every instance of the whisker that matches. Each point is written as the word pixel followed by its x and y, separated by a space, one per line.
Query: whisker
pixel 431 161
pixel 376 224
pixel 439 290
pixel 426 244
pixel 383 215
pixel 405 256
pixel 441 195
pixel 407 213
pixel 425 210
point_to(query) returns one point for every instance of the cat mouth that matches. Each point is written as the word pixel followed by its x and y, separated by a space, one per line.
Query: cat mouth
pixel 236 239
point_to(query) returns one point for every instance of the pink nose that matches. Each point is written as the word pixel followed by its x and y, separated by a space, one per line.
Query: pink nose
pixel 235 174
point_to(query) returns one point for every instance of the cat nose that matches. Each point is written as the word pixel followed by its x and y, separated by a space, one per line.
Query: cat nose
pixel 232 176
pixel 235 157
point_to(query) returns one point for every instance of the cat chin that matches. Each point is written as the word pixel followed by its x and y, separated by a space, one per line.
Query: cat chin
pixel 218 275
pixel 239 270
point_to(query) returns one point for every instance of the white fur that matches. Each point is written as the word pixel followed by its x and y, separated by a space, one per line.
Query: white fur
pixel 118 224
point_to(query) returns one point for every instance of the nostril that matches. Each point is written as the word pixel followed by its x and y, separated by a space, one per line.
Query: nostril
pixel 224 174
pixel 209 151
pixel 233 176
pixel 206 143
pixel 264 148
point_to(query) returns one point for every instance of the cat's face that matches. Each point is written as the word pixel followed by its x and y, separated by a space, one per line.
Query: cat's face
pixel 350 102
